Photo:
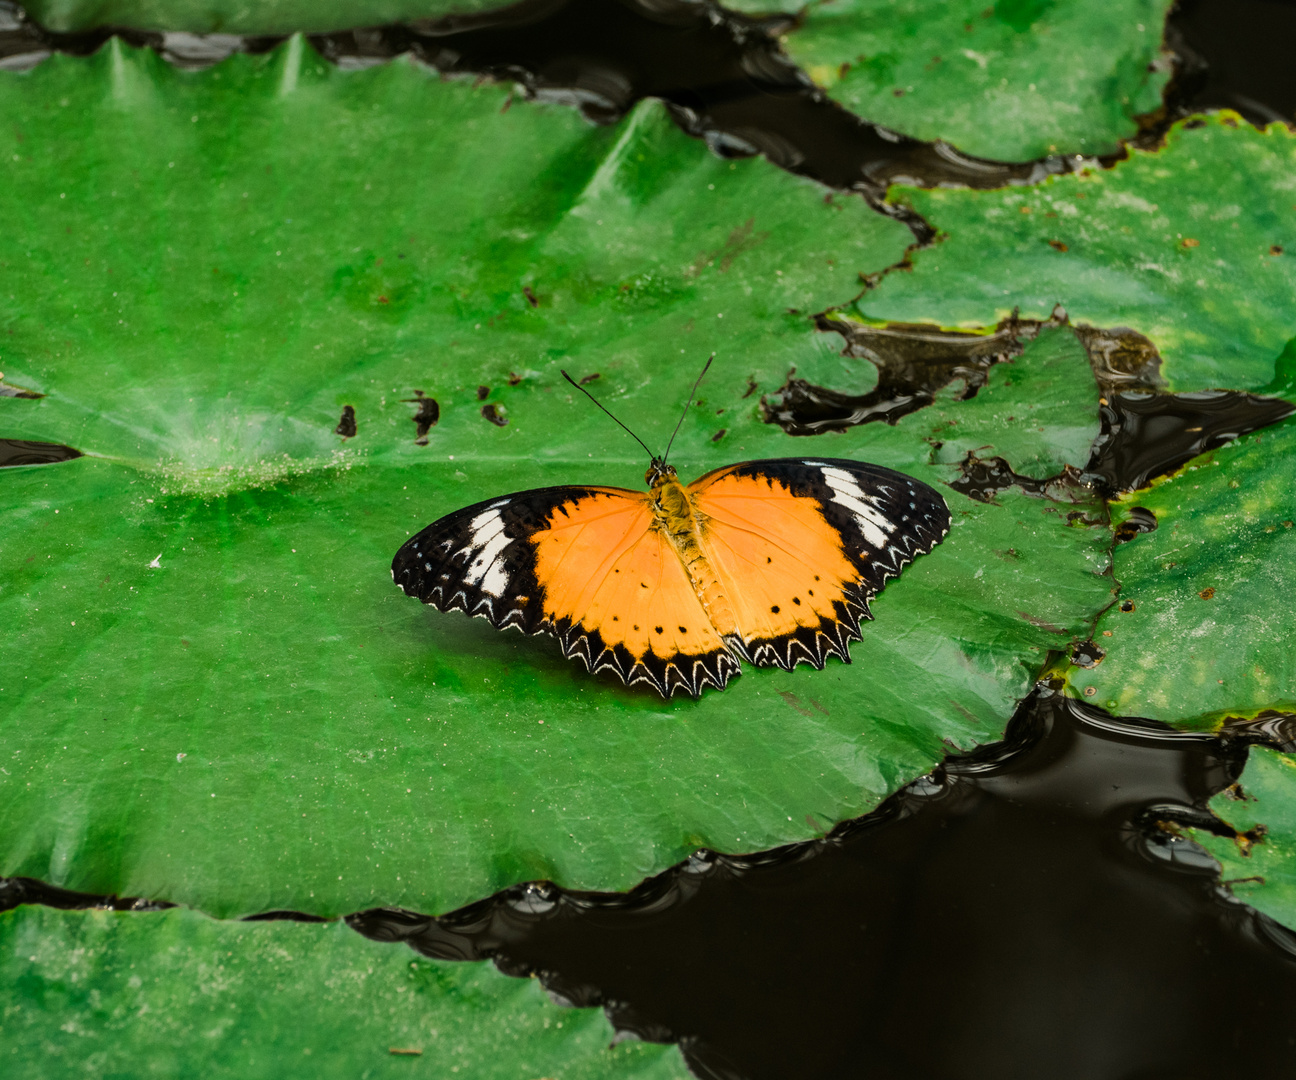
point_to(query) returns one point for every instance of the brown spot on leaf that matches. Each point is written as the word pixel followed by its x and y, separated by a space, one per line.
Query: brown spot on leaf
pixel 795 702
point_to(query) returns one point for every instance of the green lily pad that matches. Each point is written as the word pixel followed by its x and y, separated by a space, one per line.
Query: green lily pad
pixel 1193 245
pixel 215 693
pixel 175 993
pixel 240 16
pixel 1202 630
pixel 1013 80
pixel 1038 411
pixel 1259 867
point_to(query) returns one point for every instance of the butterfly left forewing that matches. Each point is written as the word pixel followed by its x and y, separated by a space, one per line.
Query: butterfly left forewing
pixel 801 545
pixel 482 560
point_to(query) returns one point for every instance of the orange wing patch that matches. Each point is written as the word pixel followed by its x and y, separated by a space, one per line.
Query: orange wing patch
pixel 616 594
pixel 782 567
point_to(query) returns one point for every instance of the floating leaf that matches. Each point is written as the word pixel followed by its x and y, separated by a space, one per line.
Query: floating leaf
pixel 239 16
pixel 1192 245
pixel 1012 81
pixel 215 693
pixel 1259 865
pixel 174 993
pixel 1201 631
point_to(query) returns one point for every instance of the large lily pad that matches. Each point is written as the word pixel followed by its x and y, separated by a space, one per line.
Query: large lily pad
pixel 1013 80
pixel 215 693
pixel 1193 245
pixel 1202 630
pixel 239 16
pixel 177 994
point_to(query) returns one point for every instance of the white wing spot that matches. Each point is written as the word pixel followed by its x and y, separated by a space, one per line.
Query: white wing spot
pixel 495 581
pixel 485 526
pixel 846 491
pixel 486 563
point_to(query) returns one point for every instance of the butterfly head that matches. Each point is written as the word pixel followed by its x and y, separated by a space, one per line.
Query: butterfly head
pixel 660 473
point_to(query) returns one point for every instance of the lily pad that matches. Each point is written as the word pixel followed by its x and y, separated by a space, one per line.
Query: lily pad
pixel 1259 866
pixel 1038 411
pixel 1202 630
pixel 175 993
pixel 1012 80
pixel 239 16
pixel 215 693
pixel 1193 245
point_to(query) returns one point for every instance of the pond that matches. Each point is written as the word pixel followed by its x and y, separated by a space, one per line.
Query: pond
pixel 282 286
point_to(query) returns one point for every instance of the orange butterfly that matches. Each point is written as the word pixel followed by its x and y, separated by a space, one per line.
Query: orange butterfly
pixel 772 562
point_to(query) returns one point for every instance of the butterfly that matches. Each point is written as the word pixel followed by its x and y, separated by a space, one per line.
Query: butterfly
pixel 770 562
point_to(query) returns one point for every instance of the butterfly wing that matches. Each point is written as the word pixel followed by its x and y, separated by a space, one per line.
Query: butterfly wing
pixel 800 545
pixel 583 564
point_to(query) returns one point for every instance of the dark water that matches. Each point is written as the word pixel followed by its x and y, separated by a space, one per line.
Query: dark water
pixel 1027 911
pixel 1236 54
pixel 913 364
pixel 1143 435
pixel 23 452
pixel 725 80
pixel 1145 432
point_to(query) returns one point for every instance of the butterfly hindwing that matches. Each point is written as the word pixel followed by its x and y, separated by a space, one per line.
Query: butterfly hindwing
pixel 800 545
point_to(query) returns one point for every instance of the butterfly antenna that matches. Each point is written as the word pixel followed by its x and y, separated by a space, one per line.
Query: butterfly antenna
pixel 618 422
pixel 692 395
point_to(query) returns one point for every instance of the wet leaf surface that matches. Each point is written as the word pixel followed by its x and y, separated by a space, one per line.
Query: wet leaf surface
pixel 1199 633
pixel 238 16
pixel 1011 81
pixel 1190 245
pixel 220 698
pixel 177 994
pixel 1259 865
